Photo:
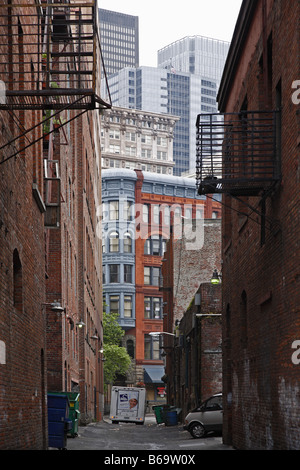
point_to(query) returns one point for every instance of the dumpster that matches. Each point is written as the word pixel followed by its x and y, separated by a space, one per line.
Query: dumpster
pixel 74 413
pixel 59 423
pixel 158 413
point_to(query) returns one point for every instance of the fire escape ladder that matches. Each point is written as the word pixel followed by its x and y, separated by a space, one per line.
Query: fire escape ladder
pixel 50 63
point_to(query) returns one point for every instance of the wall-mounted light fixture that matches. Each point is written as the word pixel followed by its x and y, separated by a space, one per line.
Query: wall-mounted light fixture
pixel 55 306
pixel 216 278
pixel 80 324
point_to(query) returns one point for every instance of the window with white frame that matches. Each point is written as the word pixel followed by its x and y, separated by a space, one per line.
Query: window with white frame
pixel 127 306
pixel 114 242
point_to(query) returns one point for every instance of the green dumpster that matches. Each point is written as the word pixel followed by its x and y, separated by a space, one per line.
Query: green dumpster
pixel 158 413
pixel 74 413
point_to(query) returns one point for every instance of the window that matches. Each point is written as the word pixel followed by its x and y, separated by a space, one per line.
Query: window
pixel 127 243
pixel 127 306
pixel 114 210
pixel 151 347
pixel 114 273
pixel 130 348
pixel 156 214
pixel 128 209
pixel 130 136
pixel 130 151
pixel 114 242
pixel 162 141
pixel 151 275
pixel 167 215
pixel 146 153
pixel 145 213
pixel 146 139
pixel 147 277
pixel 161 155
pixel 114 148
pixel 114 134
pixel 155 276
pixel 155 245
pixel 153 307
pixel 128 273
pixel 114 304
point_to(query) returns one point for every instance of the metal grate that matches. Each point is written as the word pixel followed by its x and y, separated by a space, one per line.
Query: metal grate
pixel 236 152
pixel 50 55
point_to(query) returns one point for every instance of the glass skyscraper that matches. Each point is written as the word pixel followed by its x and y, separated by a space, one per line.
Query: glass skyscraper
pixel 119 40
pixel 198 55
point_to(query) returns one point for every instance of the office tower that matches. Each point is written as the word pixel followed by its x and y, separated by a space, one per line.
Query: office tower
pixel 119 40
pixel 198 55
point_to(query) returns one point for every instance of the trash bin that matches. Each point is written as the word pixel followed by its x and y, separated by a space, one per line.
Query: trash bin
pixel 158 413
pixel 74 413
pixel 58 420
pixel 171 418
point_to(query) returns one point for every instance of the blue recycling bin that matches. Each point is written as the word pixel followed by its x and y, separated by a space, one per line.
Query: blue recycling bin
pixel 59 423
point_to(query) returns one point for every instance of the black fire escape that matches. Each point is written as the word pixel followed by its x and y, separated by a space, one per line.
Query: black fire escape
pixel 238 154
pixel 65 59
pixel 50 64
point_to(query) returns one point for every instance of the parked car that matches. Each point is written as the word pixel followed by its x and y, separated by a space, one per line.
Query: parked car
pixel 206 417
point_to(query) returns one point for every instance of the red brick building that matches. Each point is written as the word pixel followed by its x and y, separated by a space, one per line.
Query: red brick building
pixel 197 353
pixel 161 213
pixel 23 406
pixel 186 273
pixel 260 250
pixel 134 247
pixel 49 193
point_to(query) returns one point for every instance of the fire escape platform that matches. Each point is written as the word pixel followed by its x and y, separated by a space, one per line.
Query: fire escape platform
pixel 52 58
pixel 237 153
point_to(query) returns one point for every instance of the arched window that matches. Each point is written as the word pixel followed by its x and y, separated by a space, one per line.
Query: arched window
pixel 130 348
pixel 114 242
pixel 127 243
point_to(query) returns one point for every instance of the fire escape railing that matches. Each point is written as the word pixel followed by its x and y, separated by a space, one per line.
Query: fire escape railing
pixel 50 56
pixel 237 153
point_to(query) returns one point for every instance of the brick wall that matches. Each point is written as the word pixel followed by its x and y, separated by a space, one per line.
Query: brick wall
pixel 197 357
pixel 261 272
pixel 23 413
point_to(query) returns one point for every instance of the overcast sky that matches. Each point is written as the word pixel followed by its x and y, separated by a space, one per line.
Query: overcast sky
pixel 161 22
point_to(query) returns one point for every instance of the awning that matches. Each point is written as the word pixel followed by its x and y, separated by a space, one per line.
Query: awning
pixel 153 374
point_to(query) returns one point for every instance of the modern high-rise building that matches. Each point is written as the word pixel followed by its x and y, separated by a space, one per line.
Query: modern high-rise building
pixel 119 40
pixel 160 90
pixel 198 55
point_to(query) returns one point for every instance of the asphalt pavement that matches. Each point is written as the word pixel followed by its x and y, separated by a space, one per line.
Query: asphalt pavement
pixel 136 439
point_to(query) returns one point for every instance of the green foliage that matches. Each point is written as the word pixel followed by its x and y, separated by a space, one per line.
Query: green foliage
pixel 112 332
pixel 117 361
